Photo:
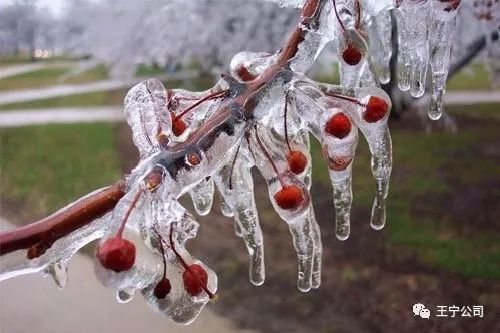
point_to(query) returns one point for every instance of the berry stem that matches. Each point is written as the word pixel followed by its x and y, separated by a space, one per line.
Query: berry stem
pixel 129 211
pixel 162 252
pixel 358 17
pixel 268 156
pixel 144 130
pixel 337 15
pixel 200 101
pixel 232 168
pixel 184 264
pixel 345 98
pixel 250 147
pixel 285 125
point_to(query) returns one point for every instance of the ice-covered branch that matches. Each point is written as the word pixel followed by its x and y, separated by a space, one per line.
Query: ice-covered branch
pixel 260 115
pixel 39 236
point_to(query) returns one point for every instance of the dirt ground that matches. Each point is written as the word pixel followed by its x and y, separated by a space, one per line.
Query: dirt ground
pixel 368 285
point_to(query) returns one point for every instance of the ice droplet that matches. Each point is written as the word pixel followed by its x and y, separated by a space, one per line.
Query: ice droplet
pixel 381 45
pixel 441 41
pixel 304 245
pixel 59 272
pixel 318 250
pixel 125 295
pixel 226 209
pixel 202 195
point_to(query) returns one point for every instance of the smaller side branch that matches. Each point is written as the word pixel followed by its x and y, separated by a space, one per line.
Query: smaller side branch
pixel 39 236
pixel 473 49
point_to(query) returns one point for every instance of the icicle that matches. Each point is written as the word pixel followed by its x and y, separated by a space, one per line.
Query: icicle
pixel 225 208
pixel 381 45
pixel 202 195
pixel 235 183
pixel 442 33
pixel 369 109
pixel 146 112
pixel 290 198
pixel 413 23
pixel 379 140
pixel 318 250
pixel 381 149
pixel 125 295
pixel 342 198
pixel 419 50
pixel 404 66
pixel 339 140
pixel 303 242
pixel 59 272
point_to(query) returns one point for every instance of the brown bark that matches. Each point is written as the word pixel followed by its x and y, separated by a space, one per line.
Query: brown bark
pixel 39 236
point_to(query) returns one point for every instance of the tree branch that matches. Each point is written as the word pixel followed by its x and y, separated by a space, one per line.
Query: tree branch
pixel 39 236
pixel 473 50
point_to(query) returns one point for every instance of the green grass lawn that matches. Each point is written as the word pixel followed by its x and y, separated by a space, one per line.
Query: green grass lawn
pixel 473 77
pixel 149 70
pixel 430 170
pixel 14 59
pixel 96 73
pixel 24 58
pixel 37 78
pixel 46 167
pixel 99 98
pixel 46 77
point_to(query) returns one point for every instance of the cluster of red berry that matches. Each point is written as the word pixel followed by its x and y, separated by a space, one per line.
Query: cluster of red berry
pixel 119 254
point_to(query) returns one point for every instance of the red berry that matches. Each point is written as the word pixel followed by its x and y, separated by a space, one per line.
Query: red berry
pixel 244 74
pixel 162 288
pixel 297 161
pixel 178 125
pixel 351 55
pixel 339 125
pixel 116 253
pixel 195 278
pixel 376 108
pixel 290 197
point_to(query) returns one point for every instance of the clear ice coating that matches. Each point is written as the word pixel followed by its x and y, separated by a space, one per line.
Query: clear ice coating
pixel 380 39
pixel 259 116
pixel 425 36
pixel 441 40
pixel 413 18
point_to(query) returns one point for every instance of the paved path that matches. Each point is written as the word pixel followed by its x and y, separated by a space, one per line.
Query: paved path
pixel 31 303
pixel 60 116
pixel 115 113
pixel 30 67
pixel 467 97
pixel 24 95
